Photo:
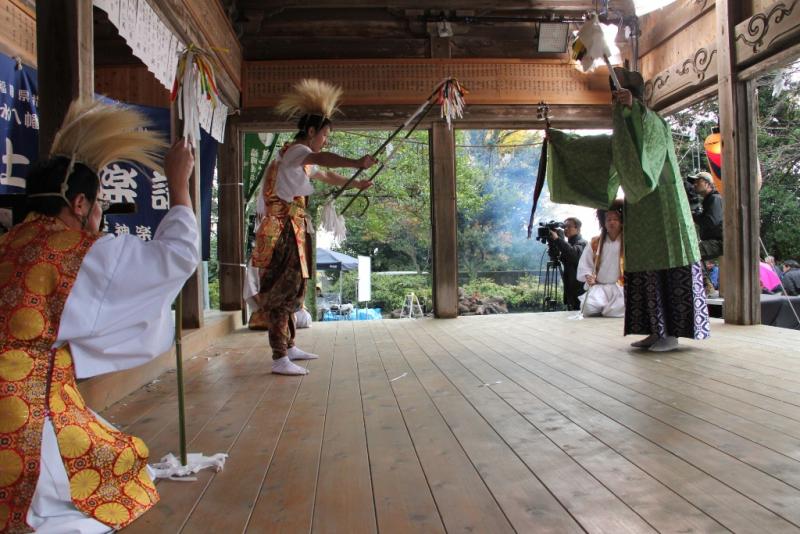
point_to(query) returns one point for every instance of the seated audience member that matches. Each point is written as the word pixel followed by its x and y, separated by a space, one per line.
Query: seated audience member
pixel 770 282
pixel 791 277
pixel 601 268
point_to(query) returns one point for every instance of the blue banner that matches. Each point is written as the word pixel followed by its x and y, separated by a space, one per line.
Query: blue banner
pixel 19 124
pixel 146 188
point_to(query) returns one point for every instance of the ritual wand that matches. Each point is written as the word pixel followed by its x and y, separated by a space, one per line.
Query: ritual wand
pixel 449 94
pixel 594 45
pixel 194 79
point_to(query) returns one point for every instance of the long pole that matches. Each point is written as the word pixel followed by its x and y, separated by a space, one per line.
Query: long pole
pixel 175 128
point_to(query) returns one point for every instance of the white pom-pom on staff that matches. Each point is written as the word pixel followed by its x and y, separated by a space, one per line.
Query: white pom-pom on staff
pixel 594 45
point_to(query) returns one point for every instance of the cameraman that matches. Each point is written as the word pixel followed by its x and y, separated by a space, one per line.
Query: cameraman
pixel 709 220
pixel 570 249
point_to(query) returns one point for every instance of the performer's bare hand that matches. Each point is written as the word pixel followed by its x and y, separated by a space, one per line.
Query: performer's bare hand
pixel 178 166
pixel 623 97
pixel 366 162
pixel 591 279
pixel 362 184
pixel 553 235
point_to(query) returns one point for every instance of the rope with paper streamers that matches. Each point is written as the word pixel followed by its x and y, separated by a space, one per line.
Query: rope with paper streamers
pixel 194 80
pixel 449 95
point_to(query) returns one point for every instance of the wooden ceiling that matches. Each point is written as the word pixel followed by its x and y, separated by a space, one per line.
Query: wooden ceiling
pixel 334 29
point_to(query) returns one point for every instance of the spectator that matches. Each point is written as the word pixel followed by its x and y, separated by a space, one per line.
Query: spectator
pixel 601 268
pixel 570 245
pixel 791 277
pixel 709 220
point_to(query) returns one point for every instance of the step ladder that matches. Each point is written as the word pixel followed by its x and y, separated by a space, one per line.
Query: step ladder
pixel 411 307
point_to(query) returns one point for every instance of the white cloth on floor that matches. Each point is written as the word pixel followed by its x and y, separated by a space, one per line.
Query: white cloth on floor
pixel 606 297
pixel 117 316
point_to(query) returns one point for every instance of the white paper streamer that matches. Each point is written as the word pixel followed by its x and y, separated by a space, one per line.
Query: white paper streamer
pixel 170 466
pixel 333 223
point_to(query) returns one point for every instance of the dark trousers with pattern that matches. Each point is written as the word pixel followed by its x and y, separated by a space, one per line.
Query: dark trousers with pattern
pixel 670 302
pixel 282 291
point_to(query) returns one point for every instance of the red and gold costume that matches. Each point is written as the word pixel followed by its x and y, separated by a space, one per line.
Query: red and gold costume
pixel 281 253
pixel 39 262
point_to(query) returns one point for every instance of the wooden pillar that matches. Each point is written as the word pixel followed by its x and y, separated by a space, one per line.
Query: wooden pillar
pixel 65 62
pixel 443 221
pixel 737 105
pixel 230 226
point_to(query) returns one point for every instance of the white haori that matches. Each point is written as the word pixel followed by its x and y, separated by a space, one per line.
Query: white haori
pixel 606 297
pixel 117 316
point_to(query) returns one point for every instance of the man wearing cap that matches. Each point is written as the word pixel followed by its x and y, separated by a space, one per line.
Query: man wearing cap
pixel 709 221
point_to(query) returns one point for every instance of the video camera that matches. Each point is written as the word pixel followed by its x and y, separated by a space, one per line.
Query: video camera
pixel 543 231
pixel 695 200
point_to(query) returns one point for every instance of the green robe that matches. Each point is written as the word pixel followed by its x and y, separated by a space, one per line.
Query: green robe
pixel 640 157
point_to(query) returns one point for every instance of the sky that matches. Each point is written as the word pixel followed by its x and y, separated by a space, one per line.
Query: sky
pixel 646 6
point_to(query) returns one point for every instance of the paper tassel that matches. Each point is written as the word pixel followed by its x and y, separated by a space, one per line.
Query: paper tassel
pixel 194 81
pixel 333 223
pixel 170 466
pixel 593 43
pixel 451 100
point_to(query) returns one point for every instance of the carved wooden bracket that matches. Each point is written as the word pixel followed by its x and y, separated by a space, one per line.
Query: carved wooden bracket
pixel 757 39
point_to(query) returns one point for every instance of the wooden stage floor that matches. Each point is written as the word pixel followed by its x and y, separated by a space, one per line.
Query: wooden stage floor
pixel 514 423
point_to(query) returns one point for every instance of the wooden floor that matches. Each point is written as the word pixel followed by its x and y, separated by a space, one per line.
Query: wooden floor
pixel 515 423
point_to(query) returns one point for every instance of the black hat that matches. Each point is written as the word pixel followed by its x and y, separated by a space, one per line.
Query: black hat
pixel 630 80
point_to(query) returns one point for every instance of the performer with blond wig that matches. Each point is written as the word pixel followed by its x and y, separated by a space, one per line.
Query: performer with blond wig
pixel 283 243
pixel 76 303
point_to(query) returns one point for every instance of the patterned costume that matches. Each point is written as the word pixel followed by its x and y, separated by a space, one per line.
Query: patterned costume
pixel 74 304
pixel 282 253
pixel 106 468
pixel 664 292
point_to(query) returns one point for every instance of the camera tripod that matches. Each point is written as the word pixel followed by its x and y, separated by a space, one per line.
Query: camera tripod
pixel 552 280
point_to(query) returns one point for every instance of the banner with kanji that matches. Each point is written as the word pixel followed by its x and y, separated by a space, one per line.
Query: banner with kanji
pixel 147 189
pixel 19 124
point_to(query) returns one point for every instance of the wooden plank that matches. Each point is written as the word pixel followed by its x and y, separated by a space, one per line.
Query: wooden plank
pixel 665 456
pixel 594 507
pixel 65 61
pixel 766 33
pixel 133 84
pixel 659 26
pixel 389 117
pixel 462 497
pixel 662 508
pixel 444 213
pixel 285 501
pixel 403 499
pixel 236 488
pixel 203 23
pixel 737 105
pixel 344 501
pixel 19 31
pixel 230 233
pixel 771 452
pixel 405 81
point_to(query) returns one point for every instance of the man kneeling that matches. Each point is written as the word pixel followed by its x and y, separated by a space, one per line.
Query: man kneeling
pixel 601 268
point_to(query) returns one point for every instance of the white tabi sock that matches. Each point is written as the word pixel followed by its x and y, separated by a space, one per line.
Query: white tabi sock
pixel 296 354
pixel 665 344
pixel 284 366
pixel 646 342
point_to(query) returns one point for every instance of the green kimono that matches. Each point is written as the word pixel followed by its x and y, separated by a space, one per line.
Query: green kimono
pixel 640 157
